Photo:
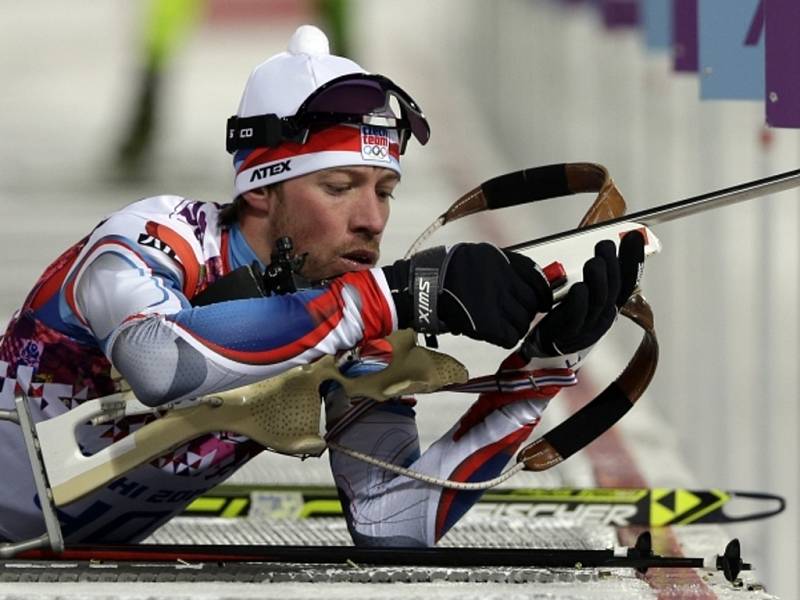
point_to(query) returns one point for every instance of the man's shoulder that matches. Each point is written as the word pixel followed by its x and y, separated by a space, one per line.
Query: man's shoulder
pixel 189 218
pixel 185 229
pixel 169 207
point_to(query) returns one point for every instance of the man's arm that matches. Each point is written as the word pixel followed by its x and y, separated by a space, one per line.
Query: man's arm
pixel 131 300
pixel 129 296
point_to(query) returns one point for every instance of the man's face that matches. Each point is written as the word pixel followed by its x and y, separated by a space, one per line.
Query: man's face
pixel 337 216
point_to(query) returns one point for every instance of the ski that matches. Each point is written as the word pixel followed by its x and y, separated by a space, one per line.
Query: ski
pixel 639 557
pixel 621 507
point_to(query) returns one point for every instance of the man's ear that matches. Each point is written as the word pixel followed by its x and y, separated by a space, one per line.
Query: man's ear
pixel 259 200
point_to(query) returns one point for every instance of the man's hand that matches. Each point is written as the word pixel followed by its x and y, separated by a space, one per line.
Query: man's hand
pixel 476 290
pixel 590 307
pixel 572 327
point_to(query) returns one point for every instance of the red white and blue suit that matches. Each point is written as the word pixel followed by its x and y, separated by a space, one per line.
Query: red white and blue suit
pixel 121 297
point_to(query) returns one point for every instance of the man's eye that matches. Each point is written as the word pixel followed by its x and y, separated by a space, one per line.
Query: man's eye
pixel 337 188
pixel 387 194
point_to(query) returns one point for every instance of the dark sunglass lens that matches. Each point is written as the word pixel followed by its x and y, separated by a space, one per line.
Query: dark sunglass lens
pixel 419 127
pixel 349 97
pixel 362 96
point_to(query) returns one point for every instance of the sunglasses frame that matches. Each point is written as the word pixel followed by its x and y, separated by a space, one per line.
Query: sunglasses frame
pixel 270 130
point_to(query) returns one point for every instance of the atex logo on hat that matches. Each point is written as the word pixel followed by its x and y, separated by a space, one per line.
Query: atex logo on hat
pixel 375 143
pixel 271 170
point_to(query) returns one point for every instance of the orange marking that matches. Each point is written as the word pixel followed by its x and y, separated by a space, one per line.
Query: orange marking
pixel 182 249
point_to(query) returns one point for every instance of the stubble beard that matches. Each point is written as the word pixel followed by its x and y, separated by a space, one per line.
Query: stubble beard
pixel 313 268
pixel 318 267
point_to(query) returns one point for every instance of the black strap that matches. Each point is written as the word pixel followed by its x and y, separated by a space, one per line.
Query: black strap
pixel 261 131
pixel 528 185
pixel 427 278
pixel 589 422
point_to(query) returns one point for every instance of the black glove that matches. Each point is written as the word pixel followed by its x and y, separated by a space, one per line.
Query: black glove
pixel 590 307
pixel 477 290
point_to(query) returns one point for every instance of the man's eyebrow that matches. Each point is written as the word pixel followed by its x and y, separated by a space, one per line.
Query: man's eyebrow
pixel 356 174
pixel 390 177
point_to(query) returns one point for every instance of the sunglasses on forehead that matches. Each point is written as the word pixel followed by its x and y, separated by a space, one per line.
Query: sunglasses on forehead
pixel 357 98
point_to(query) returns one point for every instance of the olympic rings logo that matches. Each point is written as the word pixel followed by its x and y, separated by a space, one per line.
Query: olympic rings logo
pixel 376 151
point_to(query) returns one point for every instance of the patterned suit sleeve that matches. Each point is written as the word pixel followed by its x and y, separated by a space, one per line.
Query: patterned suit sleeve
pixel 132 302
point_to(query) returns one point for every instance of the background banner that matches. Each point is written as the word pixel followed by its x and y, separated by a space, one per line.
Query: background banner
pixel 731 49
pixel 657 19
pixel 684 35
pixel 620 13
pixel 782 48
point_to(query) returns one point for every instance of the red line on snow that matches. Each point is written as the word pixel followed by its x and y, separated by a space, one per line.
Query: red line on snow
pixel 614 466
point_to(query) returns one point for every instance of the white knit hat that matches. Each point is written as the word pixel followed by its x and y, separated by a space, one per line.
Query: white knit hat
pixel 279 86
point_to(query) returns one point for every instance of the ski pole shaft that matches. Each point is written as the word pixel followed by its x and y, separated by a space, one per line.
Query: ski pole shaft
pixel 681 208
pixel 638 557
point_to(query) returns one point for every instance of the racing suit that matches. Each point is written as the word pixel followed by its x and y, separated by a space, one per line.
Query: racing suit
pixel 122 297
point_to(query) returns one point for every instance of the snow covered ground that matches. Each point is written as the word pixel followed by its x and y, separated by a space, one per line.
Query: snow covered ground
pixel 68 74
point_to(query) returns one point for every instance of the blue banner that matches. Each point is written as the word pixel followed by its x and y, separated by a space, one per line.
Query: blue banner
pixel 657 17
pixel 731 45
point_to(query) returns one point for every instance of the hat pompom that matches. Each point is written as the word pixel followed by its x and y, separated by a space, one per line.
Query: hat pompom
pixel 309 40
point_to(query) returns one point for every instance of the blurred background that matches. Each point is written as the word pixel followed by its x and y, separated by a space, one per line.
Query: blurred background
pixel 102 103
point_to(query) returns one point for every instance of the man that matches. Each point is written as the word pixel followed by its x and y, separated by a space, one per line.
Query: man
pixel 316 152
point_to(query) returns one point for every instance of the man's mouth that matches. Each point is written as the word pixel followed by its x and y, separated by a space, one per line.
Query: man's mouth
pixel 365 258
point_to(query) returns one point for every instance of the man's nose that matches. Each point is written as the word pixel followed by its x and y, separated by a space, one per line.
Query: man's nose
pixel 369 214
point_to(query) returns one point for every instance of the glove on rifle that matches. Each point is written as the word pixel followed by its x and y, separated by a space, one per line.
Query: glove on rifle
pixel 573 327
pixel 590 307
pixel 477 290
